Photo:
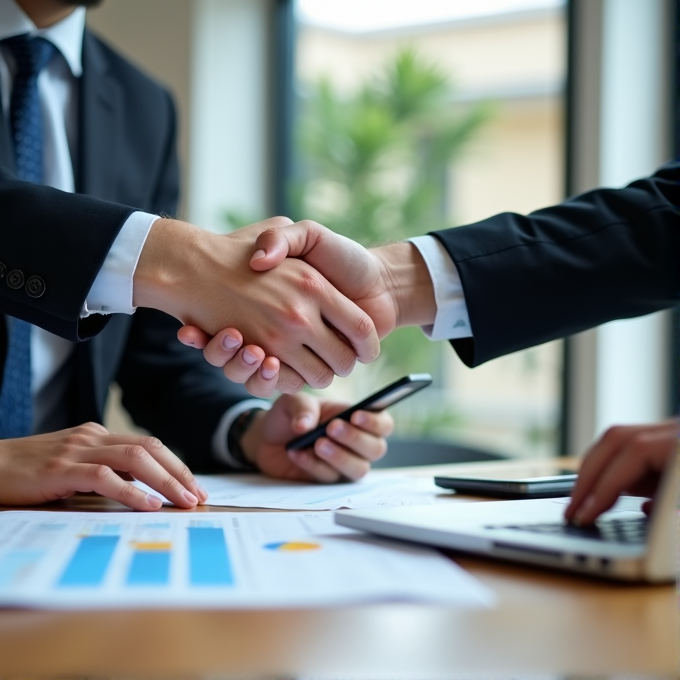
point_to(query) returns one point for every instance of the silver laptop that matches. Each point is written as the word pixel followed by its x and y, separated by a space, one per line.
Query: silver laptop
pixel 623 544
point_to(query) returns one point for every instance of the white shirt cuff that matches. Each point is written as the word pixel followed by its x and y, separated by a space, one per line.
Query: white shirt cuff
pixel 452 321
pixel 219 440
pixel 111 292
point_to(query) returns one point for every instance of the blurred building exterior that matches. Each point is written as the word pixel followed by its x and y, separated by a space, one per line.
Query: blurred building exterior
pixel 516 60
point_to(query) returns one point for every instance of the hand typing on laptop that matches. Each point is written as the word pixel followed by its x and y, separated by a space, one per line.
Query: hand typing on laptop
pixel 626 459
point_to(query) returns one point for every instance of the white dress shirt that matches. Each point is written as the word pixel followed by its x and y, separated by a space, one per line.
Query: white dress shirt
pixel 452 321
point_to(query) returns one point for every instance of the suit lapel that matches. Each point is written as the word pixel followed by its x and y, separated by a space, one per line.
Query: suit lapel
pixel 100 106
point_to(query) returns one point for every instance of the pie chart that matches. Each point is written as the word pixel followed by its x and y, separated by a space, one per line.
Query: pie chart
pixel 292 546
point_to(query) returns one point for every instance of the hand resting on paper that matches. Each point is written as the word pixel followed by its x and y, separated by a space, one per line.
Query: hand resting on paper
pixel 48 467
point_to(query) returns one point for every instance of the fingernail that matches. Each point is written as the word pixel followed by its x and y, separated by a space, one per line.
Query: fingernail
pixel 324 448
pixel 249 357
pixel 190 498
pixel 304 422
pixel 337 428
pixel 360 418
pixel 229 342
pixel 203 494
pixel 268 373
pixel 153 501
pixel 259 254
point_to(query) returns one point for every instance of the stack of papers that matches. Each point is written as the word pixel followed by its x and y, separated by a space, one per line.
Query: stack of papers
pixel 215 560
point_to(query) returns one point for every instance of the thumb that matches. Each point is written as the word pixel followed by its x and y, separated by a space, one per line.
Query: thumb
pixel 275 244
pixel 271 249
pixel 303 410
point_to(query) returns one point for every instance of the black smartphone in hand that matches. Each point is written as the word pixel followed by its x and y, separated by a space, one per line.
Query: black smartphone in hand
pixel 385 397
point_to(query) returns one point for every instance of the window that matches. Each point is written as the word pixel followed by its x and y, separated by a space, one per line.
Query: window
pixel 415 116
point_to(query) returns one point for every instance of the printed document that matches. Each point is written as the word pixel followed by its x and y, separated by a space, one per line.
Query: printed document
pixel 215 560
pixel 258 491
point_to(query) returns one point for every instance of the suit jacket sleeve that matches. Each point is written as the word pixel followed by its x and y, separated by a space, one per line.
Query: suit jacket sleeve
pixel 62 238
pixel 607 254
pixel 168 388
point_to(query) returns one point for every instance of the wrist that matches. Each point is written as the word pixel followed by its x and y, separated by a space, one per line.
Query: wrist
pixel 249 438
pixel 167 267
pixel 408 282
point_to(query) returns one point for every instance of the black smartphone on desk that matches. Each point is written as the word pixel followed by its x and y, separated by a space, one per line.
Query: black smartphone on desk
pixel 553 486
pixel 402 388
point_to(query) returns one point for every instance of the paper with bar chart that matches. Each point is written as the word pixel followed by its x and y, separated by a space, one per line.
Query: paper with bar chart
pixel 214 560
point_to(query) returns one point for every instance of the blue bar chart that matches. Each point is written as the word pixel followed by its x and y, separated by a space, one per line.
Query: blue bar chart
pixel 209 563
pixel 149 567
pixel 89 563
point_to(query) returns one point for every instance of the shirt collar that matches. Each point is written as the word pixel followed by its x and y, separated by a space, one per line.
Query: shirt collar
pixel 66 35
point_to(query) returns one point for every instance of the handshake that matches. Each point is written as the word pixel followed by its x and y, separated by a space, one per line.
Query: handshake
pixel 278 304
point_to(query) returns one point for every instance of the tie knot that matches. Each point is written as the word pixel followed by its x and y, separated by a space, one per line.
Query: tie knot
pixel 30 54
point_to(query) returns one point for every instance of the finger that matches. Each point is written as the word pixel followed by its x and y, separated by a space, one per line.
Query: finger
pixel 223 347
pixel 594 462
pixel 379 423
pixel 638 467
pixel 346 463
pixel 289 380
pixel 356 441
pixel 263 382
pixel 142 466
pixel 314 467
pixel 104 481
pixel 353 323
pixel 315 371
pixel 271 249
pixel 622 472
pixel 600 456
pixel 193 337
pixel 302 410
pixel 245 364
pixel 166 459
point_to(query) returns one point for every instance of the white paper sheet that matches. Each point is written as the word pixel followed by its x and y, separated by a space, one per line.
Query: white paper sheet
pixel 257 491
pixel 214 560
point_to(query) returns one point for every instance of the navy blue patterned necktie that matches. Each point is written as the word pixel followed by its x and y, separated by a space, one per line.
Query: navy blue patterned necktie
pixel 31 55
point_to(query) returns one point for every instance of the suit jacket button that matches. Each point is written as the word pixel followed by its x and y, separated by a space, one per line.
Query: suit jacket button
pixel 15 279
pixel 3 271
pixel 35 287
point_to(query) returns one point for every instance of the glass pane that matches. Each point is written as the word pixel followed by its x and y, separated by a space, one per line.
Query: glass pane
pixel 422 115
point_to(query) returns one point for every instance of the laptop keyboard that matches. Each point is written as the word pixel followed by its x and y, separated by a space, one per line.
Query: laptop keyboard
pixel 630 530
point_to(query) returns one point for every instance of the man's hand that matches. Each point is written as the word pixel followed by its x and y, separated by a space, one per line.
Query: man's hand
pixel 626 459
pixel 391 283
pixel 345 453
pixel 293 313
pixel 48 467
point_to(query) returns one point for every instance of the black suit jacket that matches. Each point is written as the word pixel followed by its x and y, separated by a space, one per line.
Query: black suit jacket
pixel 127 157
pixel 607 254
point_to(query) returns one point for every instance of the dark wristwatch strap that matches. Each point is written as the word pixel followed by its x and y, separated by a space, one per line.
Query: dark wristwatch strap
pixel 236 432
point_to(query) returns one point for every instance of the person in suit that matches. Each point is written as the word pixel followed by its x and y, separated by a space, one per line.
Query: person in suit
pixel 77 116
pixel 513 281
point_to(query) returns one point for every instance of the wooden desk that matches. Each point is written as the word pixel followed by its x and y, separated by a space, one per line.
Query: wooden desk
pixel 545 622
